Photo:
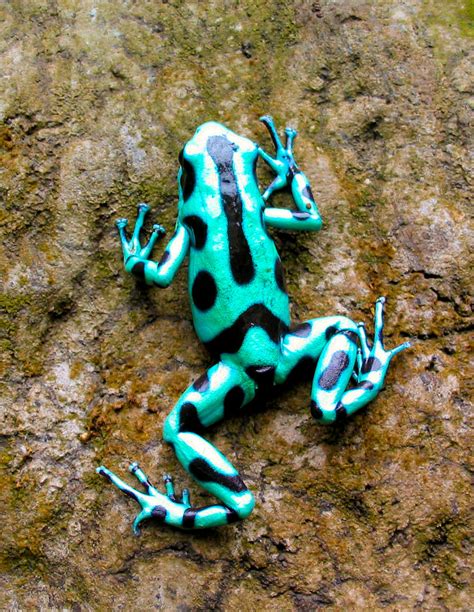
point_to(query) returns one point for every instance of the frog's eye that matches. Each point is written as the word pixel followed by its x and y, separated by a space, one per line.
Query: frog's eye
pixel 188 176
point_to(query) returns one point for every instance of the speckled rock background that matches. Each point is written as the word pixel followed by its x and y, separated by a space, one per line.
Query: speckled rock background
pixel 96 100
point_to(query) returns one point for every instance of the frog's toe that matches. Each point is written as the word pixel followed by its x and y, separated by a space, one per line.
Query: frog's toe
pixel 158 232
pixel 140 475
pixel 142 516
pixel 378 331
pixel 169 485
pixel 171 493
pixel 267 119
pixel 364 342
pixel 376 356
pixel 379 320
pixel 290 137
pixel 142 208
pixel 358 368
pixel 186 498
pixel 400 348
pixel 121 224
pixel 121 484
pixel 157 513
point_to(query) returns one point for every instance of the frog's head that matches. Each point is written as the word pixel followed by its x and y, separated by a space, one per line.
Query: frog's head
pixel 198 146
pixel 212 148
pixel 192 156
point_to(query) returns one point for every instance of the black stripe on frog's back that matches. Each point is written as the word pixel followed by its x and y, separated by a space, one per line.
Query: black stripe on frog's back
pixel 222 151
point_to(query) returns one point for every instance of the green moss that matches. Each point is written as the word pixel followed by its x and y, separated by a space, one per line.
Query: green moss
pixel 12 304
pixel 373 259
pixel 445 20
pixel 466 18
pixel 452 14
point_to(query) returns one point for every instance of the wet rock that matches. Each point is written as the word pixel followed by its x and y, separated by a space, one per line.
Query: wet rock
pixel 96 102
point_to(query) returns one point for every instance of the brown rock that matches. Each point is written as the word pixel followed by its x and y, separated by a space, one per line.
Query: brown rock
pixel 95 104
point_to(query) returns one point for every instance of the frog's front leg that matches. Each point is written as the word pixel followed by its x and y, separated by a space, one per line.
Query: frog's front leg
pixel 288 173
pixel 136 258
pixel 332 343
pixel 221 392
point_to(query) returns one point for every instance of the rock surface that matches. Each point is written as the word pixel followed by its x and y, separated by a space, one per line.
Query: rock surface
pixel 97 99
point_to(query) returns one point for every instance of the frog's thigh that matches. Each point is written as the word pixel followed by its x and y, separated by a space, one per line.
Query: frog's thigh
pixel 329 342
pixel 221 392
pixel 302 346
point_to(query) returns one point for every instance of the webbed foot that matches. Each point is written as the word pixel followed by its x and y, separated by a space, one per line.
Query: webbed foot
pixel 133 246
pixel 373 360
pixel 288 173
pixel 156 505
pixel 284 160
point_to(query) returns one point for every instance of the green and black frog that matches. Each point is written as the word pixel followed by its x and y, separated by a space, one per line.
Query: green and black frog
pixel 241 313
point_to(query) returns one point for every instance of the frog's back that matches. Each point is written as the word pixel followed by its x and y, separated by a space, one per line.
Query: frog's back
pixel 238 299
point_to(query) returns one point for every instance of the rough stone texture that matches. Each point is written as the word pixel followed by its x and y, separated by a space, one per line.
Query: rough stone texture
pixel 96 100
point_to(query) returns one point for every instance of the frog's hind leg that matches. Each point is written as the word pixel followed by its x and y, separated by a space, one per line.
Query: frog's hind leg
pixel 332 342
pixel 222 391
pixel 218 393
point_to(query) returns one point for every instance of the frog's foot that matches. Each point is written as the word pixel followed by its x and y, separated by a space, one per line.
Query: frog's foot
pixel 374 358
pixel 133 246
pixel 280 150
pixel 284 153
pixel 283 161
pixel 166 508
pixel 155 505
pixel 288 174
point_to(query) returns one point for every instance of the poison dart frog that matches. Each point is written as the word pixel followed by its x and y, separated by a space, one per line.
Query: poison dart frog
pixel 240 311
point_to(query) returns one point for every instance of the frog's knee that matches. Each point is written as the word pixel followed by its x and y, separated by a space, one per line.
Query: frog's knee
pixel 243 504
pixel 184 417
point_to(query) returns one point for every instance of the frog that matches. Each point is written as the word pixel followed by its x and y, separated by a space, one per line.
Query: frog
pixel 241 313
